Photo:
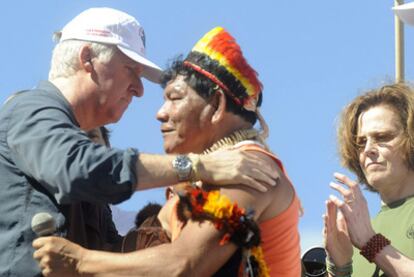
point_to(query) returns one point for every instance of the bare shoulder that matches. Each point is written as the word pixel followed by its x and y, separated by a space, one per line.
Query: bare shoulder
pixel 270 161
pixel 280 197
pixel 265 204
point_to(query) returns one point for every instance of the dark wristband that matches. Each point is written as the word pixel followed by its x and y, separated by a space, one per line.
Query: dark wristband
pixel 374 246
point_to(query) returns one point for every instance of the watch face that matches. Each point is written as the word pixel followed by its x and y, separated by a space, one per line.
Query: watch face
pixel 182 165
pixel 182 162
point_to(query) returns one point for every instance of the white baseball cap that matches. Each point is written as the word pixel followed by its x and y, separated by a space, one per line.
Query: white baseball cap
pixel 110 26
pixel 405 12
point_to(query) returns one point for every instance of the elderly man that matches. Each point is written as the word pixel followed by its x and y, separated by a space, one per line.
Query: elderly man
pixel 211 103
pixel 46 159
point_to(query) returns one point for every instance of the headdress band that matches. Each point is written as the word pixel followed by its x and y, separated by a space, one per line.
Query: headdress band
pixel 215 80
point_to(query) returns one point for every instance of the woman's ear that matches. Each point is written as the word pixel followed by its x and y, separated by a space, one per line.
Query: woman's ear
pixel 221 108
pixel 85 58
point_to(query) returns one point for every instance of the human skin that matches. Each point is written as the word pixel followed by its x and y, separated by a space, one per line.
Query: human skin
pixel 99 93
pixel 196 252
pixel 382 161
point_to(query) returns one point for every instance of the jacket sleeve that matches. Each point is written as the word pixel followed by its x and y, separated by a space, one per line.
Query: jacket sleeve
pixel 47 145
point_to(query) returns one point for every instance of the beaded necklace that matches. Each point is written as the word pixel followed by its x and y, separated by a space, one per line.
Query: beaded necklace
pixel 236 137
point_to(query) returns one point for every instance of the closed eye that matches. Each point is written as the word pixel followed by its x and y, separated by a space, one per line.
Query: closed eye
pixel 173 96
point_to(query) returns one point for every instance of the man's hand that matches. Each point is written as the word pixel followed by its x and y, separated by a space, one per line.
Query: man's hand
pixel 237 167
pixel 57 256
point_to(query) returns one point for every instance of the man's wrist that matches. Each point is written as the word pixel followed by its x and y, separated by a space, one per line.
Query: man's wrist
pixel 196 167
pixel 188 167
pixel 182 165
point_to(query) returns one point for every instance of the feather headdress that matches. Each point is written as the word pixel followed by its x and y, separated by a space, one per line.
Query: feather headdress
pixel 218 57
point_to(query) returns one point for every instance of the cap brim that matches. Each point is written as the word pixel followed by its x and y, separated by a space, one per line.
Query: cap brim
pixel 151 72
pixel 405 12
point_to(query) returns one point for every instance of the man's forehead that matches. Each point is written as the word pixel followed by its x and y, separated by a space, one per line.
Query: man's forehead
pixel 177 84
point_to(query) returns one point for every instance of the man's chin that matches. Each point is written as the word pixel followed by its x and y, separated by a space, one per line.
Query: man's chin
pixel 175 149
pixel 115 117
pixel 169 150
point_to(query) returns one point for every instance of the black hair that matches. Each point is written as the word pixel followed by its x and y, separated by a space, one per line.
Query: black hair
pixel 147 211
pixel 207 88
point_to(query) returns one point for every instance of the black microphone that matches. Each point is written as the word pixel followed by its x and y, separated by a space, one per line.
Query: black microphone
pixel 43 224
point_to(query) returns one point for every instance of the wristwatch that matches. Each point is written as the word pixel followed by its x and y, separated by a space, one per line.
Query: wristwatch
pixel 183 166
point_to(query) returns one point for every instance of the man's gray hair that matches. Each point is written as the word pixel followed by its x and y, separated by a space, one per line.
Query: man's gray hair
pixel 65 57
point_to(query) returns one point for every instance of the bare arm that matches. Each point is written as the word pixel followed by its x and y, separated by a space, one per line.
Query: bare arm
pixel 220 168
pixel 59 257
pixel 355 211
pixel 393 263
pixel 196 251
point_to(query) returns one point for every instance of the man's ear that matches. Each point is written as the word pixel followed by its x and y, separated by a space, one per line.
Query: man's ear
pixel 221 108
pixel 169 193
pixel 85 58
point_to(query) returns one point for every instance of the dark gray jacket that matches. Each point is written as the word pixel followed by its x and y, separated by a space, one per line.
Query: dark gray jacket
pixel 47 162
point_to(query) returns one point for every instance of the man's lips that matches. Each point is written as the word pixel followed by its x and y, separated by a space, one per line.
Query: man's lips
pixel 166 130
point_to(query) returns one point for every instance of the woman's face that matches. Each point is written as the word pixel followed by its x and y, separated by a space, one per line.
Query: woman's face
pixel 381 157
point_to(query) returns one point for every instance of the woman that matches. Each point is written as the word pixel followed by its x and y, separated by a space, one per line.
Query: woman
pixel 376 141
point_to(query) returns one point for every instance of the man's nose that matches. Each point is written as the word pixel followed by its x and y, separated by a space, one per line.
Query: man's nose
pixel 162 114
pixel 138 88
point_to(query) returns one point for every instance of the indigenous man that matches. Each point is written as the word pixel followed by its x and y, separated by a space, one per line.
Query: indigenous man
pixel 212 101
pixel 46 160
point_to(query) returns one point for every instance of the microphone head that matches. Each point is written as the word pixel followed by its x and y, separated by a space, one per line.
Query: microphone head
pixel 43 224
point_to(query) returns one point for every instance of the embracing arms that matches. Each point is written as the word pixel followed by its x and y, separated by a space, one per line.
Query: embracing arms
pixel 47 145
pixel 220 167
pixel 195 252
